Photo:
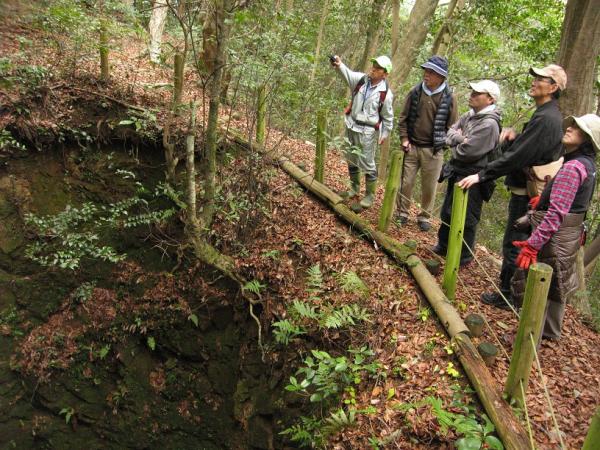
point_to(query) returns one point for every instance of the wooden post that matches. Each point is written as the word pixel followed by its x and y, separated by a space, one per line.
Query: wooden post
pixel 391 191
pixel 177 80
pixel 261 116
pixel 104 68
pixel 384 156
pixel 593 437
pixel 321 146
pixel 530 323
pixel 460 198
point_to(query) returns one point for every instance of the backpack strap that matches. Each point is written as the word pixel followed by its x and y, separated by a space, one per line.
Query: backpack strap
pixel 360 83
pixel 382 96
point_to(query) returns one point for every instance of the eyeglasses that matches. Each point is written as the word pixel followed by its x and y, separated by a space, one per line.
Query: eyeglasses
pixel 476 94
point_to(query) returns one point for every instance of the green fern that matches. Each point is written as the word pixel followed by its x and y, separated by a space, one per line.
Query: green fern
pixel 285 331
pixel 351 282
pixel 315 279
pixel 304 310
pixel 338 421
pixel 253 286
pixel 344 316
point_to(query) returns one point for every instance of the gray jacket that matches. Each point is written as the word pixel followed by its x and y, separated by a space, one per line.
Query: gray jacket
pixel 367 108
pixel 472 138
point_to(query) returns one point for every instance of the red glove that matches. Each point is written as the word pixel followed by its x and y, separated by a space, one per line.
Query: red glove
pixel 533 202
pixel 527 255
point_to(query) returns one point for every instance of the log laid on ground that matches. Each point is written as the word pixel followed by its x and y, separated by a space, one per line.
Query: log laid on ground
pixel 530 324
pixel 445 311
pixel 510 430
pixel 508 427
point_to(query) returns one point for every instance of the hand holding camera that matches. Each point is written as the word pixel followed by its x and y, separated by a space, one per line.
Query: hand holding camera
pixel 335 60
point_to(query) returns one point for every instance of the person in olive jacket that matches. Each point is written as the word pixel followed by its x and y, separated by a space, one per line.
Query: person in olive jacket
pixel 539 143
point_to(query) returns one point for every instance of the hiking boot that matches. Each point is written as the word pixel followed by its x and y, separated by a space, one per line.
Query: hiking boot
pixel 465 261
pixel 401 220
pixel 424 226
pixel 439 250
pixel 354 187
pixel 368 200
pixel 495 299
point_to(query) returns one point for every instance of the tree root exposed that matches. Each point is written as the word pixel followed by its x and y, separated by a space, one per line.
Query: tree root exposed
pixel 224 264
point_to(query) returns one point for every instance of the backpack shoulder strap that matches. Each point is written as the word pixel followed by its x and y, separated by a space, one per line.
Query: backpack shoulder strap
pixel 362 81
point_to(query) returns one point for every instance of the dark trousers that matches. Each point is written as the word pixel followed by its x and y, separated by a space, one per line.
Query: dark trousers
pixel 474 205
pixel 517 207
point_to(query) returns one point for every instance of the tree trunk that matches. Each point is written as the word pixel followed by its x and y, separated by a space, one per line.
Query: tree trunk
pixel 442 40
pixel 580 299
pixel 591 253
pixel 156 28
pixel 208 55
pixel 578 53
pixel 413 38
pixel 221 18
pixel 317 61
pixel 373 26
pixel 395 25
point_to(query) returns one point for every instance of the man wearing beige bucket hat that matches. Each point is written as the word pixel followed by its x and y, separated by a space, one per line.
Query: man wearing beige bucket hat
pixel 538 144
pixel 558 220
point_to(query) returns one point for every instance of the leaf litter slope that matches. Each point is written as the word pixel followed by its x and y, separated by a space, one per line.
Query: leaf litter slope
pixel 569 366
pixel 306 233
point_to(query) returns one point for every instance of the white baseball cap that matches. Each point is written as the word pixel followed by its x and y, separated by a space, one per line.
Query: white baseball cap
pixel 487 87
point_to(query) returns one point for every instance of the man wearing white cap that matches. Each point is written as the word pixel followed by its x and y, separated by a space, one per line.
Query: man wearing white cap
pixel 471 140
pixel 538 144
pixel 369 120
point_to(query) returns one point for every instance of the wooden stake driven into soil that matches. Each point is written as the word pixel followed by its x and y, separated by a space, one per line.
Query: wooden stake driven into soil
pixel 460 198
pixel 391 191
pixel 177 80
pixel 530 323
pixel 321 146
pixel 261 115
pixel 104 67
pixel 510 430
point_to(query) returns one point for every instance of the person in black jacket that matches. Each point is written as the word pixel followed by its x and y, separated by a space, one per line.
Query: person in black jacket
pixel 539 143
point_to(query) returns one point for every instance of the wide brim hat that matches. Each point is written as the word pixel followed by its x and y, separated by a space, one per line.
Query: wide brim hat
pixel 589 124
